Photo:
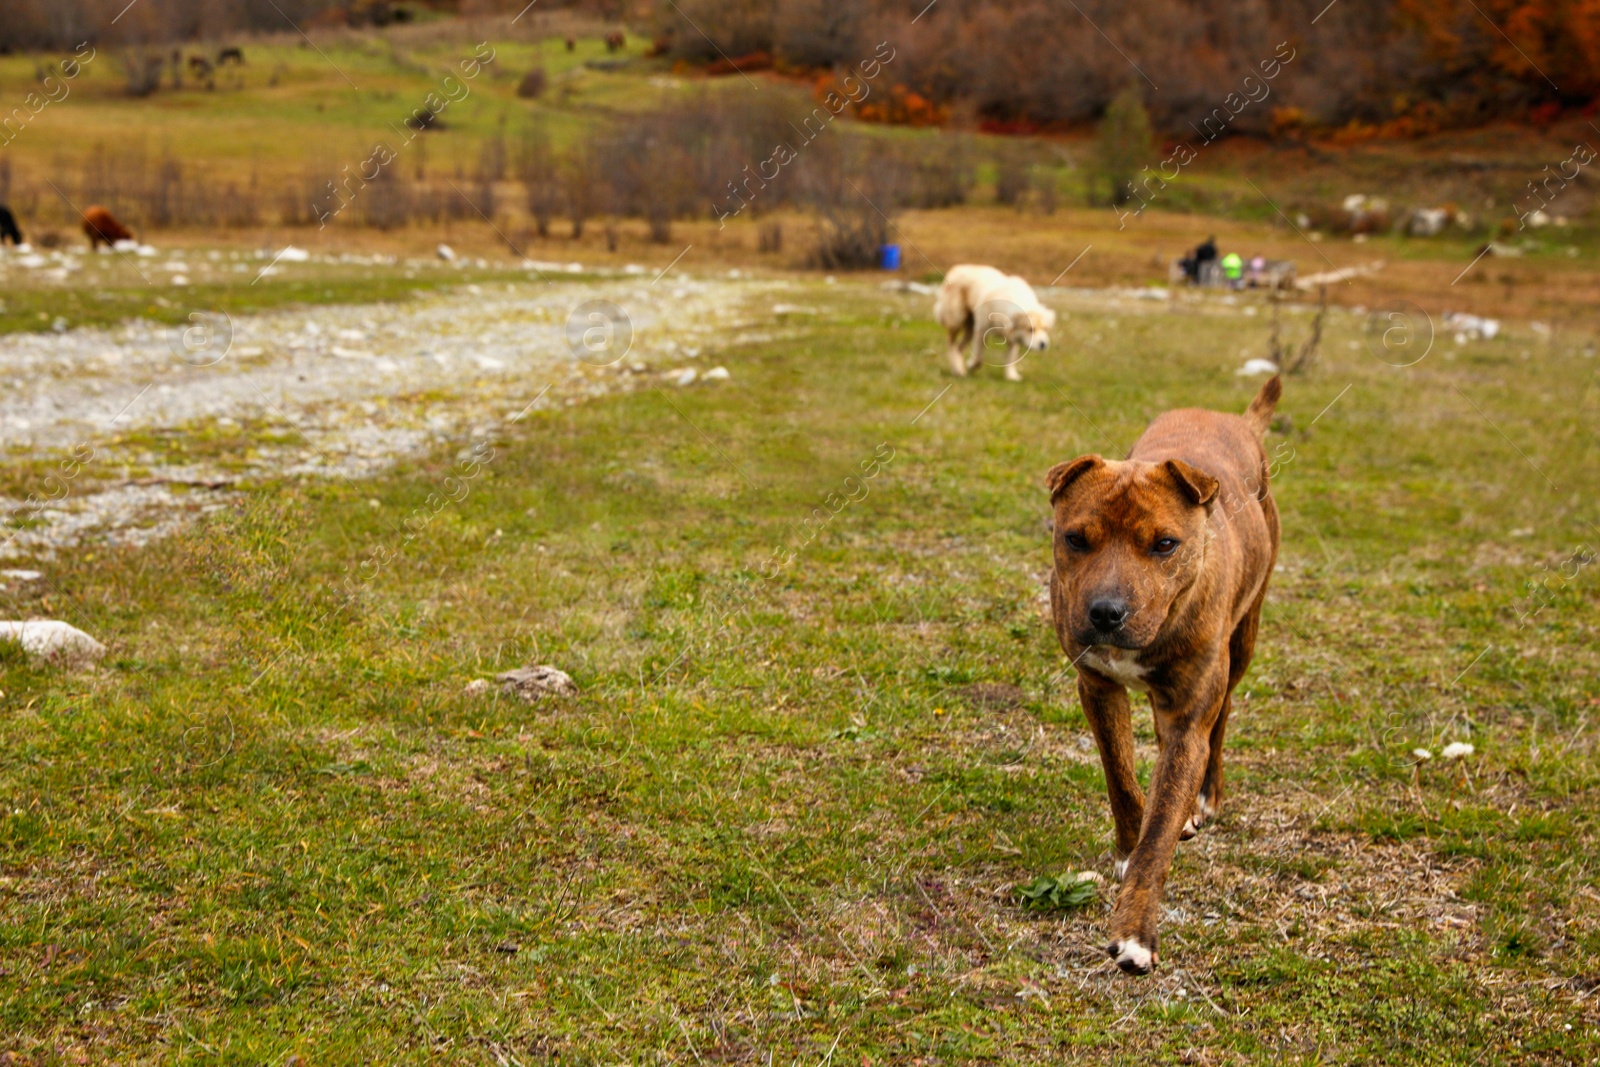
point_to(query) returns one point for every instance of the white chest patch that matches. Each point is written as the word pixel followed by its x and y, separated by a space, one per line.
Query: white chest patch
pixel 1119 665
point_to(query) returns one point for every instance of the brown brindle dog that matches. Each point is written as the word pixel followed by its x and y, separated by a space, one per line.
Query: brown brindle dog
pixel 1161 565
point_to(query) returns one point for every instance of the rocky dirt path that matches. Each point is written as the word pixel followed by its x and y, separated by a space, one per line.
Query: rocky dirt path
pixel 134 429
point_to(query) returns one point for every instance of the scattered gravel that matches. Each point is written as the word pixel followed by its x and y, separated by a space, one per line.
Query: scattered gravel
pixel 341 391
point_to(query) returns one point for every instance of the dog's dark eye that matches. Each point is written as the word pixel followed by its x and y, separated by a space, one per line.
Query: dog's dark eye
pixel 1165 547
pixel 1076 541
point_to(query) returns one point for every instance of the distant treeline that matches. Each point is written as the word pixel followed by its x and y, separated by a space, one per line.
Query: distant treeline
pixel 704 156
pixel 1388 66
pixel 62 24
pixel 1399 65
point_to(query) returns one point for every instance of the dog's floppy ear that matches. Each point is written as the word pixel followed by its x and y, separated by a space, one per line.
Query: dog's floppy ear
pixel 1064 474
pixel 1196 484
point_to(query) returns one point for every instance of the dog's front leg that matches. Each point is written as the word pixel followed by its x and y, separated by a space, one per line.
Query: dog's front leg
pixel 958 341
pixel 1173 786
pixel 1105 705
pixel 1014 354
pixel 978 338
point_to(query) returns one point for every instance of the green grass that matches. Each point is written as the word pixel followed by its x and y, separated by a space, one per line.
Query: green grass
pixel 120 293
pixel 272 824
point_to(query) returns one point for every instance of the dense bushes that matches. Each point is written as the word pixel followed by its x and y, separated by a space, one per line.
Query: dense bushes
pixel 1403 67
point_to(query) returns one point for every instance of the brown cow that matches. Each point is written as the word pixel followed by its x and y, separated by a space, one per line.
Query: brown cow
pixel 616 41
pixel 100 225
pixel 572 45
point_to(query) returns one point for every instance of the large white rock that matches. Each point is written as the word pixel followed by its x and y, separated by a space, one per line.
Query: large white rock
pixel 49 639
pixel 533 684
pixel 1257 366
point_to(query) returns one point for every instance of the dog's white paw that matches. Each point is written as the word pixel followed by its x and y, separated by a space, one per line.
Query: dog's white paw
pixel 1120 869
pixel 1132 956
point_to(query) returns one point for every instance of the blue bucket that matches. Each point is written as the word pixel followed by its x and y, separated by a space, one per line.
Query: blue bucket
pixel 889 257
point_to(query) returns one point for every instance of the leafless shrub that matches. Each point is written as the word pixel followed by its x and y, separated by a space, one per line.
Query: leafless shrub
pixel 1291 359
pixel 386 201
pixel 143 73
pixel 584 188
pixel 492 154
pixel 239 209
pixel 533 84
pixel 938 172
pixel 851 192
pixel 650 173
pixel 300 203
pixel 541 178
pixel 1011 178
pixel 770 238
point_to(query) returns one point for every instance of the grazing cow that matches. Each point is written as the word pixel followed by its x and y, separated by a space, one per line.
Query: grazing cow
pixel 616 41
pixel 100 225
pixel 8 227
pixel 572 45
pixel 200 66
pixel 230 55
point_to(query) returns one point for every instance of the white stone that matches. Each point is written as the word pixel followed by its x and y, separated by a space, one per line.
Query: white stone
pixel 535 683
pixel 49 639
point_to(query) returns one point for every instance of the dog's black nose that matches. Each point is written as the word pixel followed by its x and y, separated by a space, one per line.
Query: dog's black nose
pixel 1108 615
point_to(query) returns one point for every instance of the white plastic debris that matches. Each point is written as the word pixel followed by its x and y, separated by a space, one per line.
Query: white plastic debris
pixel 1457 750
pixel 49 639
pixel 446 253
pixel 1429 221
pixel 716 374
pixel 1257 366
pixel 1472 327
pixel 291 254
pixel 685 376
pixel 21 576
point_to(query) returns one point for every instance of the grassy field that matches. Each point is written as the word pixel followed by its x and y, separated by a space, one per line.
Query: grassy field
pixel 824 731
pixel 303 109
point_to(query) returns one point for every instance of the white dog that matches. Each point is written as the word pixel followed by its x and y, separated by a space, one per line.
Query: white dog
pixel 983 306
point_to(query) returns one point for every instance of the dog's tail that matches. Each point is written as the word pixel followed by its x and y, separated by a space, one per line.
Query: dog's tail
pixel 1259 414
